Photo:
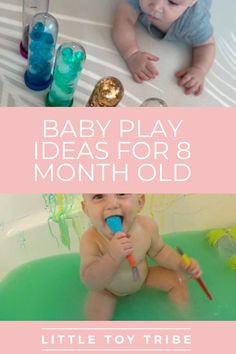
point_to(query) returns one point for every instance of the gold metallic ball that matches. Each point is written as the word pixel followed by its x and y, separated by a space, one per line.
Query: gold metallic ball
pixel 108 92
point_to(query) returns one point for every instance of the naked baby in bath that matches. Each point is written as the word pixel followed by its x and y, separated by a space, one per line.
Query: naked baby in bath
pixel 104 267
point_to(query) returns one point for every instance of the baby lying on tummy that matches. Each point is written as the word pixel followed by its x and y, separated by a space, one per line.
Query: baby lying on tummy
pixel 174 20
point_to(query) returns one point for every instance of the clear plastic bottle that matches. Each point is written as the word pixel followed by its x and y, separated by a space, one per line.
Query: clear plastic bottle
pixel 226 246
pixel 154 102
pixel 29 9
pixel 69 63
pixel 225 241
pixel 42 43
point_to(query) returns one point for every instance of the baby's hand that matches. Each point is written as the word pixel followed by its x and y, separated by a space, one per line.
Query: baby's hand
pixel 120 246
pixel 141 66
pixel 192 80
pixel 193 269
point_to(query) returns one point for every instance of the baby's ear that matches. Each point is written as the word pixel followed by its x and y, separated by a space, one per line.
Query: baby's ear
pixel 141 201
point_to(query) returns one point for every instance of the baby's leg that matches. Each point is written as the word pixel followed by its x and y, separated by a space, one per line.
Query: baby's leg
pixel 169 281
pixel 100 305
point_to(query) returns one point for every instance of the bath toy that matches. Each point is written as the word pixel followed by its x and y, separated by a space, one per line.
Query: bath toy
pixel 187 261
pixel 154 102
pixel 29 9
pixel 62 208
pixel 69 63
pixel 115 224
pixel 225 241
pixel 42 42
pixel 58 216
pixel 108 92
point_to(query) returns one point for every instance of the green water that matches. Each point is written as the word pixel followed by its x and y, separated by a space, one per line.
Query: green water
pixel 50 289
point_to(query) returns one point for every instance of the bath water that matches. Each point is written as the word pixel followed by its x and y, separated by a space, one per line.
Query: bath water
pixel 50 289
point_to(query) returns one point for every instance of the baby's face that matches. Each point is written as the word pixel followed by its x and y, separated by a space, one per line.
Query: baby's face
pixel 166 11
pixel 99 206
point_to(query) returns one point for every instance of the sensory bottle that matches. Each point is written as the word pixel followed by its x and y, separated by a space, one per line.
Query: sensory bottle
pixel 42 42
pixel 69 64
pixel 154 102
pixel 29 9
pixel 108 92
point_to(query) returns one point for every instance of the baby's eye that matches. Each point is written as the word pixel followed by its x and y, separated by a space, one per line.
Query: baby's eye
pixel 173 3
pixel 98 196
pixel 123 195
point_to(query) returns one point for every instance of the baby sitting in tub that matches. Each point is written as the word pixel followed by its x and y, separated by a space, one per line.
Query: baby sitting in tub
pixel 174 20
pixel 104 267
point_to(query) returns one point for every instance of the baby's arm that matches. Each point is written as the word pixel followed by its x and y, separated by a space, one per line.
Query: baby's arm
pixel 97 270
pixel 167 257
pixel 124 36
pixel 170 259
pixel 192 78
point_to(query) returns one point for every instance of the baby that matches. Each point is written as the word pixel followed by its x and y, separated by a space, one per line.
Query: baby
pixel 174 20
pixel 104 267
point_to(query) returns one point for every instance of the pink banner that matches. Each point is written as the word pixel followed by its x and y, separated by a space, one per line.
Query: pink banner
pixel 117 337
pixel 172 150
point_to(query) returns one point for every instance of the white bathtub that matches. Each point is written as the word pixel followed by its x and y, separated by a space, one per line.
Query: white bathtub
pixel 29 238
pixel 25 235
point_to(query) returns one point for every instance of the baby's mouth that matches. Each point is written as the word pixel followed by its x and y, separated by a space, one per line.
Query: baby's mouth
pixel 120 216
pixel 122 219
pixel 153 18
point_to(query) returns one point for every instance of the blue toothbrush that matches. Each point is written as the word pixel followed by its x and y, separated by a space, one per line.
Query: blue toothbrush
pixel 115 224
